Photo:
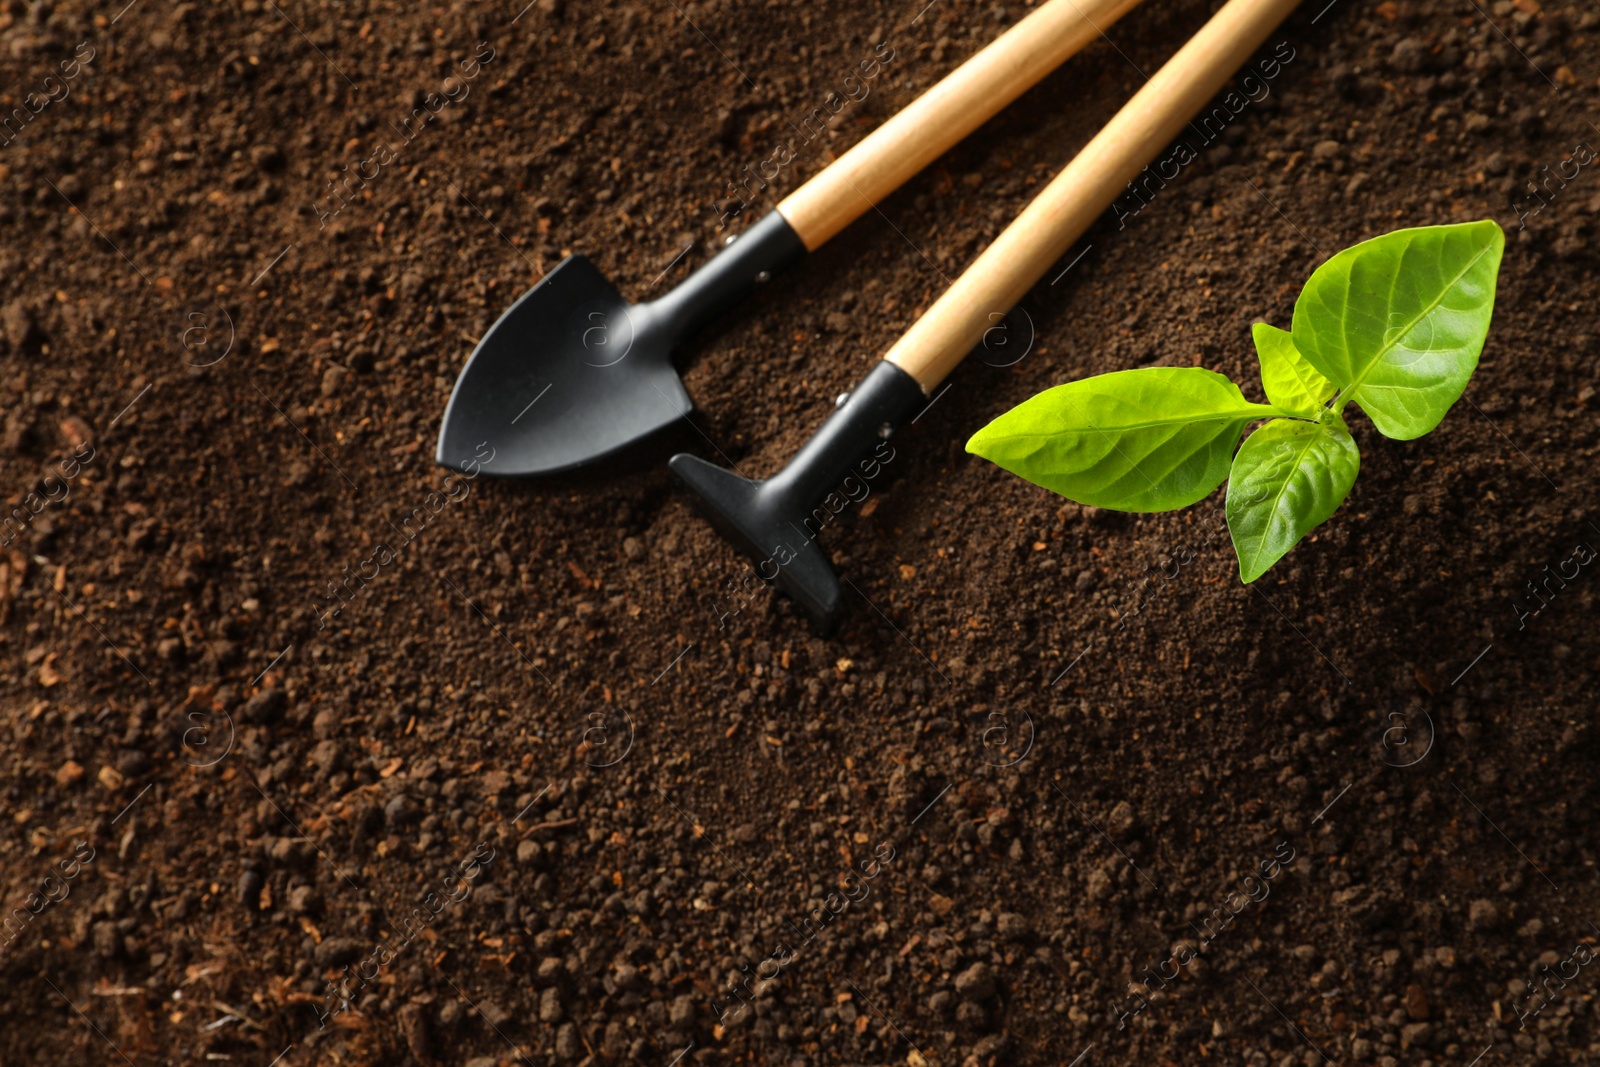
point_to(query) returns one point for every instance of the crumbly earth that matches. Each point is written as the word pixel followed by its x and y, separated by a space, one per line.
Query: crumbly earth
pixel 546 789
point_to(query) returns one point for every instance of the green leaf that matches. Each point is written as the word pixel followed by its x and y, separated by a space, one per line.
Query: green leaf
pixel 1286 480
pixel 1135 440
pixel 1398 322
pixel 1291 383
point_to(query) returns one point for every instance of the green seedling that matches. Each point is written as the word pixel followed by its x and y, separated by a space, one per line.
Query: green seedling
pixel 1394 325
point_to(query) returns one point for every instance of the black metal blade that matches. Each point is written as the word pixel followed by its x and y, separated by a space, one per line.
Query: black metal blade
pixel 568 375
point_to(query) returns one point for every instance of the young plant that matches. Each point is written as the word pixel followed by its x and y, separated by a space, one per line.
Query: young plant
pixel 1393 325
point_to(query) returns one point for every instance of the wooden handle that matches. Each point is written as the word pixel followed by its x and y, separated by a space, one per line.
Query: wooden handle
pixel 1059 215
pixel 965 99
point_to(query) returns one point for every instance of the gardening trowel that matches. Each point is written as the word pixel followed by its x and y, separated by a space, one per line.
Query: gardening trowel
pixel 776 521
pixel 572 372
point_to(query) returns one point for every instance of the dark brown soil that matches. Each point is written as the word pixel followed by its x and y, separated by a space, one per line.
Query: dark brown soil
pixel 1050 790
